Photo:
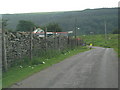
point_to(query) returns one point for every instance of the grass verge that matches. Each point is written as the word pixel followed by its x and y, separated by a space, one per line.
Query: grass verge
pixel 18 73
pixel 99 40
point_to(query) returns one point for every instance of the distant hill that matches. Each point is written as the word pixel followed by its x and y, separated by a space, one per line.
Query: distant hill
pixel 87 20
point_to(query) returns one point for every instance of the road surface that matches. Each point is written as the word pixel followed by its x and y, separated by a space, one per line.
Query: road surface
pixel 96 68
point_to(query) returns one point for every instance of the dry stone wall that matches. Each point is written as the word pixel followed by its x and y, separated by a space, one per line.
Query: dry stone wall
pixel 21 45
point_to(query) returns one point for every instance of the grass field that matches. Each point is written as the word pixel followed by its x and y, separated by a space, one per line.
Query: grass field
pixel 21 72
pixel 99 40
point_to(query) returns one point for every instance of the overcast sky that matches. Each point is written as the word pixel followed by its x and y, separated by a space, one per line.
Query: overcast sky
pixel 27 6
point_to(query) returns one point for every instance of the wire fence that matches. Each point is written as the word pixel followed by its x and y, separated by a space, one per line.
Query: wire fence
pixel 19 48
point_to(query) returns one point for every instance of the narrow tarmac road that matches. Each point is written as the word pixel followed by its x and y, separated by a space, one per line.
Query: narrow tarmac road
pixel 96 68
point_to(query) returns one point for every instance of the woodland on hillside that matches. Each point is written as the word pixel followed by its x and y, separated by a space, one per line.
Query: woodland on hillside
pixel 89 20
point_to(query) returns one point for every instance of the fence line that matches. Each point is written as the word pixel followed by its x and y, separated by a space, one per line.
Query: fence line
pixel 20 48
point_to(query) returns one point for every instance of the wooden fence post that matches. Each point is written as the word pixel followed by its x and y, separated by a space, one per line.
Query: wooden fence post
pixel 68 41
pixel 45 34
pixel 58 43
pixel 4 58
pixel 31 44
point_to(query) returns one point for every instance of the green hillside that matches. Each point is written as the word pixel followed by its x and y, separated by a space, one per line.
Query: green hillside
pixel 87 20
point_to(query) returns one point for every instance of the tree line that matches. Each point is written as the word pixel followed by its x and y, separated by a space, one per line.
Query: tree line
pixel 89 20
pixel 24 25
pixel 27 26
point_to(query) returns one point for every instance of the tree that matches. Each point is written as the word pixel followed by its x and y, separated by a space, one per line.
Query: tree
pixel 4 23
pixel 25 25
pixel 116 31
pixel 42 27
pixel 53 27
